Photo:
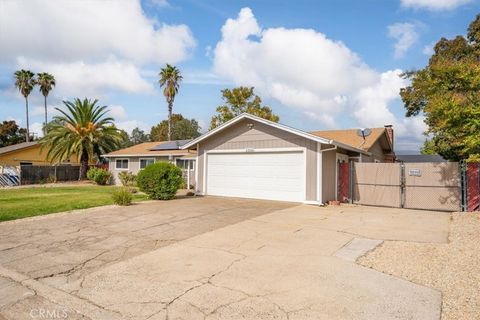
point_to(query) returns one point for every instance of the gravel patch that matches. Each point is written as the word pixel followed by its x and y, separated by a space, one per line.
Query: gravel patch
pixel 453 268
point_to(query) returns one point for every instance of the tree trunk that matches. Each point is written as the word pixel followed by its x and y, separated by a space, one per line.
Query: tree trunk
pixel 45 127
pixel 28 125
pixel 169 134
pixel 83 165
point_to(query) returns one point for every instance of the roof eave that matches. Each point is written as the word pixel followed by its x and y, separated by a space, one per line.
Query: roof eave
pixel 276 125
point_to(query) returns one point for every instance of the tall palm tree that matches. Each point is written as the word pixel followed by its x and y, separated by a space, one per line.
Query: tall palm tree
pixel 170 79
pixel 24 82
pixel 84 130
pixel 46 82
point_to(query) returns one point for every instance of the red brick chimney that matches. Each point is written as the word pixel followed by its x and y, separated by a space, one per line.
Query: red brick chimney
pixel 389 130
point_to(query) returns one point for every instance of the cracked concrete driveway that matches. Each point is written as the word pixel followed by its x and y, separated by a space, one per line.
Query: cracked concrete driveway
pixel 212 258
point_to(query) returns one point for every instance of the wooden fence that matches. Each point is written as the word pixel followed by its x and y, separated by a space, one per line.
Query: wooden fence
pixel 44 174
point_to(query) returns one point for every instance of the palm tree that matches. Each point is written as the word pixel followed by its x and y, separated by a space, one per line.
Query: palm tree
pixel 25 82
pixel 83 130
pixel 46 82
pixel 170 79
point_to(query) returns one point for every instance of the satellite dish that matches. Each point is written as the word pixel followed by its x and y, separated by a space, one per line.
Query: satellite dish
pixel 364 132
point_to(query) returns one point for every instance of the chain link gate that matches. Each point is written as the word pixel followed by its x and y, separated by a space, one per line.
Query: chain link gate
pixel 427 186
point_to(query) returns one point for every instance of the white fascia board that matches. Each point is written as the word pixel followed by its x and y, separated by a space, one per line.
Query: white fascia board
pixel 272 124
pixel 140 155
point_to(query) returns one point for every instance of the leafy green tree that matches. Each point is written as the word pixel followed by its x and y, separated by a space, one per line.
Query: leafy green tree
pixel 182 129
pixel 46 82
pixel 83 129
pixel 11 133
pixel 447 92
pixel 139 136
pixel 240 100
pixel 125 141
pixel 428 147
pixel 24 82
pixel 170 79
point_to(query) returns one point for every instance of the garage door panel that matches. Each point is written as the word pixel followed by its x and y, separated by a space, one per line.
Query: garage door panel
pixel 273 176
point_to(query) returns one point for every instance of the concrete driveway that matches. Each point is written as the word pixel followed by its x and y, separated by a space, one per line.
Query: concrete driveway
pixel 212 258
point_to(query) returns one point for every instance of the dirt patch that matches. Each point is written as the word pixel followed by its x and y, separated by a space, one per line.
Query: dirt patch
pixel 453 268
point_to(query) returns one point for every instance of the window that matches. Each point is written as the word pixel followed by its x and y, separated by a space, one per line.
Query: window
pixel 146 162
pixel 121 164
pixel 185 164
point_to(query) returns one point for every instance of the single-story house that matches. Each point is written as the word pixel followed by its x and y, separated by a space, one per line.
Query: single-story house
pixel 137 157
pixel 28 153
pixel 251 157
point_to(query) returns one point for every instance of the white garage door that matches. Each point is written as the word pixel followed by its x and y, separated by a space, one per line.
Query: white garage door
pixel 271 176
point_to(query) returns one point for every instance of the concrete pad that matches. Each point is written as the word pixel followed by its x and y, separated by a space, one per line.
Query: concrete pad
pixel 215 258
pixel 356 248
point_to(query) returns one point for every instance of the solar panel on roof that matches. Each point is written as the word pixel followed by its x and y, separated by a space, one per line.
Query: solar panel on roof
pixel 169 145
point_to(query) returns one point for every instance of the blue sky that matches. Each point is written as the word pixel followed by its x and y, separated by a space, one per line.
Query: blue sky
pixel 318 64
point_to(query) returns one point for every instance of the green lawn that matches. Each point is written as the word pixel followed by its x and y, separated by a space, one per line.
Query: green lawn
pixel 26 202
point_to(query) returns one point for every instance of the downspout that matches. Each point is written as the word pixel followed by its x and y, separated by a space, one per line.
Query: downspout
pixel 320 170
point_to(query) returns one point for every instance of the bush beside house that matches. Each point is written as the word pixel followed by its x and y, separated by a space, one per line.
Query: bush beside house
pixel 100 176
pixel 160 181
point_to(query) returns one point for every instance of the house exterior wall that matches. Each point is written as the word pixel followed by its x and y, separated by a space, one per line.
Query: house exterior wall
pixel 133 166
pixel 32 154
pixel 261 136
pixel 377 153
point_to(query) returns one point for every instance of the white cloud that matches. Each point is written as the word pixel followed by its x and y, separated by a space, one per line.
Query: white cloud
pixel 429 49
pixel 158 3
pixel 434 5
pixel 306 71
pixel 40 111
pixel 36 129
pixel 405 36
pixel 82 79
pixel 89 31
pixel 278 64
pixel 117 112
pixel 372 107
pixel 129 125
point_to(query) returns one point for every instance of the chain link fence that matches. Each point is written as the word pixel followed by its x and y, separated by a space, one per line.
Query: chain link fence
pixel 427 186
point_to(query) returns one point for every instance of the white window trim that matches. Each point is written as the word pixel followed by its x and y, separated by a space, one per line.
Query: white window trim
pixel 122 169
pixel 140 162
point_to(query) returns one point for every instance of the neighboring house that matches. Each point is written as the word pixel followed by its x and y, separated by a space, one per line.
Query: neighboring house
pixel 137 157
pixel 419 158
pixel 27 153
pixel 251 157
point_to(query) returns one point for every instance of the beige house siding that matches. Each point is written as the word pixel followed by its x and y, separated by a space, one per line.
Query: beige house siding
pixel 261 136
pixel 133 166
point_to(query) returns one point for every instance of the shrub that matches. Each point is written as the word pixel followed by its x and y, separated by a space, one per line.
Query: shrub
pixel 122 197
pixel 127 179
pixel 160 180
pixel 100 176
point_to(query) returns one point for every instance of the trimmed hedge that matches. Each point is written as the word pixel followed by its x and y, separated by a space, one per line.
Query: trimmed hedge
pixel 160 181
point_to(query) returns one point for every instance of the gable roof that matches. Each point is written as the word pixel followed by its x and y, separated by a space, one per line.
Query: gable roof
pixel 150 149
pixel 275 125
pixel 350 137
pixel 18 146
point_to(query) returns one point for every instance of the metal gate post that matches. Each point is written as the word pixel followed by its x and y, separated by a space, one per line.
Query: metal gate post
pixel 402 185
pixel 463 185
pixel 350 182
